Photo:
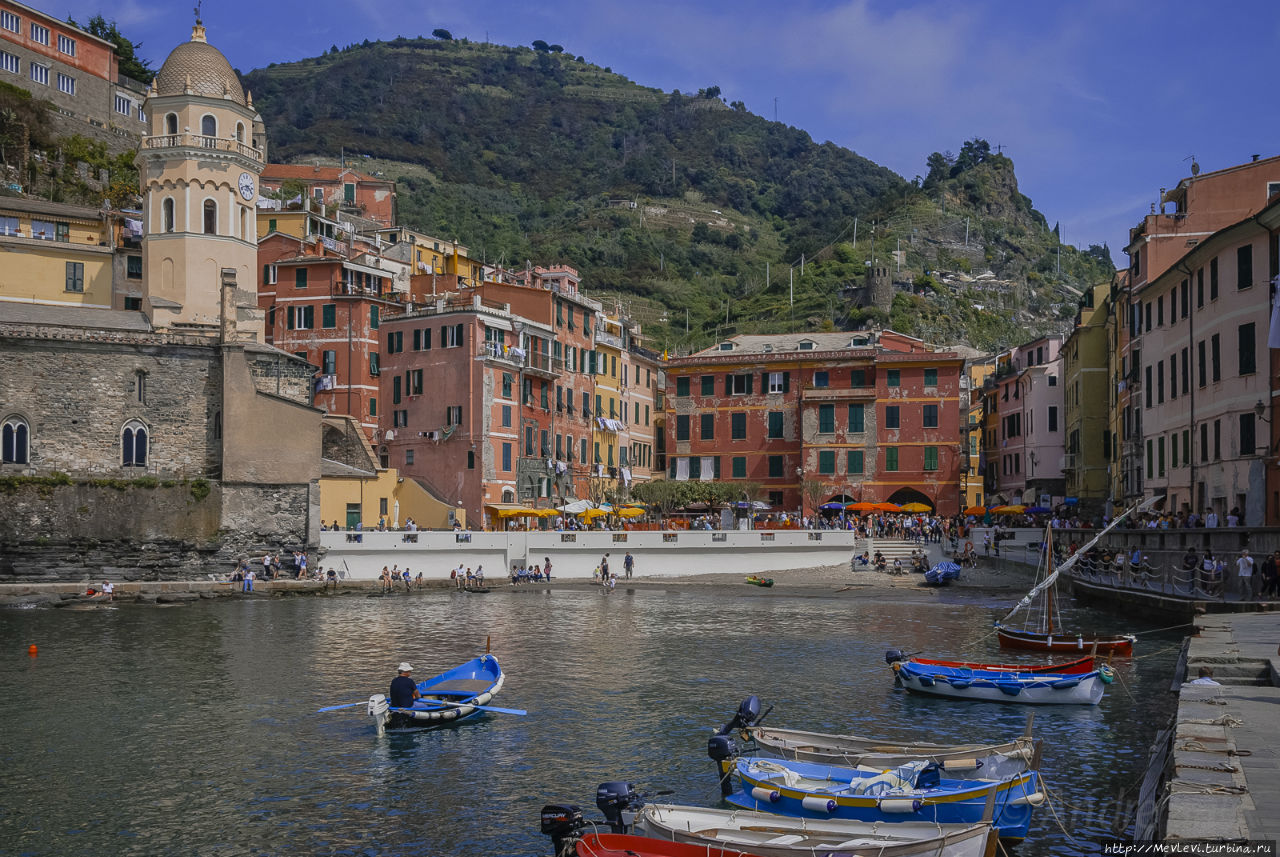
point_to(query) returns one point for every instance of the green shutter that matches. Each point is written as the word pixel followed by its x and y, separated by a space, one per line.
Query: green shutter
pixel 740 467
pixel 857 418
pixel 855 461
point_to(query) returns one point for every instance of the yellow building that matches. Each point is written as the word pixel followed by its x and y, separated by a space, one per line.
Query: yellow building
pixel 1087 413
pixel 971 482
pixel 58 254
pixel 300 223
pixel 610 341
pixel 431 255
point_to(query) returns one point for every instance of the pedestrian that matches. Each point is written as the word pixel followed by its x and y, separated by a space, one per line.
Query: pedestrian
pixel 405 575
pixel 1271 575
pixel 1210 518
pixel 604 566
pixel 1245 576
pixel 302 565
pixel 109 590
pixel 332 579
pixel 249 575
pixel 628 563
pixel 546 567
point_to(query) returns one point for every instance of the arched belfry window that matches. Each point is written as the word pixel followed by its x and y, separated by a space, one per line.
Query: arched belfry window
pixel 167 213
pixel 15 441
pixel 133 444
pixel 240 132
pixel 210 217
pixel 171 123
pixel 208 126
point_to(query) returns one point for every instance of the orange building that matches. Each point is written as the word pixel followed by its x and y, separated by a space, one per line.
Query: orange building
pixel 350 192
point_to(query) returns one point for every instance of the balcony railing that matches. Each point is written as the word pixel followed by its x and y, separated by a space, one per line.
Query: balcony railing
pixel 518 357
pixel 200 141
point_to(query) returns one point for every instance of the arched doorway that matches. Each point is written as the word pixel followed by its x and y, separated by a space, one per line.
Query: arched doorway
pixel 903 496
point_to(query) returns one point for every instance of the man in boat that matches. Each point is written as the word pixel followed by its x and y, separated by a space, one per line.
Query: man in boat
pixel 403 691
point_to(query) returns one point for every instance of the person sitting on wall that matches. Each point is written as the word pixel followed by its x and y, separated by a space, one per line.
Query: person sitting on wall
pixel 403 691
pixel 881 563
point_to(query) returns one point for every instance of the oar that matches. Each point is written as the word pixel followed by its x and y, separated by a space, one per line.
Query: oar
pixel 439 702
pixel 348 705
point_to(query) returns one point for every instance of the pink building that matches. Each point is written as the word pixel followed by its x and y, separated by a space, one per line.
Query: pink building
pixel 1025 443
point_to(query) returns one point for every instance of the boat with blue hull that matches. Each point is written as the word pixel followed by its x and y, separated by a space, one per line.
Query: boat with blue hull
pixel 912 792
pixel 447 699
pixel 1028 688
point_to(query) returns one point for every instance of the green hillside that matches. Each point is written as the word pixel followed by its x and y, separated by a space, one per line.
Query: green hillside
pixel 676 205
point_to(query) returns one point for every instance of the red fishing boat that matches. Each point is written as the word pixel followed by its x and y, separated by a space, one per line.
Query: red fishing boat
pixel 628 845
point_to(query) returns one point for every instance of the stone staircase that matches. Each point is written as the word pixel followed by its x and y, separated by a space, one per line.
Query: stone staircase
pixel 1235 671
pixel 897 549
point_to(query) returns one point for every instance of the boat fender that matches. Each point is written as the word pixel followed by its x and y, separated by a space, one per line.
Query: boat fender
pixel 897 667
pixel 1033 799
pixel 1107 674
pixel 818 804
pixel 1012 688
pixel 959 683
pixel 767 795
pixel 1065 683
pixel 961 764
pixel 900 805
pixel 925 680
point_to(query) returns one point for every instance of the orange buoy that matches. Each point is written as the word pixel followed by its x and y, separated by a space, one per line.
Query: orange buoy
pixel 32 650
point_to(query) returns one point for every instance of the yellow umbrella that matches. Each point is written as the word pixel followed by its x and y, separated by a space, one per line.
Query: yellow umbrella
pixel 1009 510
pixel 915 507
pixel 592 514
pixel 630 512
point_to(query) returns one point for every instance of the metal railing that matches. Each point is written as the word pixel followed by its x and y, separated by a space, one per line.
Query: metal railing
pixel 201 141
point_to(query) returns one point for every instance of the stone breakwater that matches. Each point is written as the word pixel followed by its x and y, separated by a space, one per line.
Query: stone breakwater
pixel 178 591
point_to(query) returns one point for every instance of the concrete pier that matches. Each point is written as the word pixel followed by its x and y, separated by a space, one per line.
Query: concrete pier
pixel 1224 773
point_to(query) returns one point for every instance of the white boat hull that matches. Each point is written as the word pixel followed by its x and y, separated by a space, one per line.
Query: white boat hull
pixel 1088 691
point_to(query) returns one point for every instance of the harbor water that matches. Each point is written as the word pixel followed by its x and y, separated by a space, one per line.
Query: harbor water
pixel 146 731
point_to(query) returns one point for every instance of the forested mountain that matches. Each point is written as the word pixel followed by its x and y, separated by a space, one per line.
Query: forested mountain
pixel 677 204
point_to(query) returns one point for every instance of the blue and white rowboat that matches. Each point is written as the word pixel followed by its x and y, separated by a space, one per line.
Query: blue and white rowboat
pixel 993 686
pixel 447 699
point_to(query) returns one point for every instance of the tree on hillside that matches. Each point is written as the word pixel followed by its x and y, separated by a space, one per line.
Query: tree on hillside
pixel 130 63
pixel 540 46
pixel 439 33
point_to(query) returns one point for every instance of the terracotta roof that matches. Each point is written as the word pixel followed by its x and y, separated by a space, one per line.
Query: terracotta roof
pixel 208 70
pixel 305 172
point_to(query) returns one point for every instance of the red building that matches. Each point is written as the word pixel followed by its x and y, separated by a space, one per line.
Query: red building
pixel 327 309
pixel 349 191
pixel 820 417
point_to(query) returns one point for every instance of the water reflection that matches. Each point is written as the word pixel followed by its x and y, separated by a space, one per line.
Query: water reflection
pixel 143 731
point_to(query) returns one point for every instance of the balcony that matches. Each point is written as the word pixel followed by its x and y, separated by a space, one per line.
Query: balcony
pixel 200 141
pixel 609 339
pixel 1069 463
pixel 542 365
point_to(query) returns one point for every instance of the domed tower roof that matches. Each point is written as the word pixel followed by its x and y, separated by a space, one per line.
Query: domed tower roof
pixel 200 66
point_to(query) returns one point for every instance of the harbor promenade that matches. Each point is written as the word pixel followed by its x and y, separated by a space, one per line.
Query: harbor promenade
pixel 1223 775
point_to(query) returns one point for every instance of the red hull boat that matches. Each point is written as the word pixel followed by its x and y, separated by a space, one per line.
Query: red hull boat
pixel 1063 641
pixel 626 845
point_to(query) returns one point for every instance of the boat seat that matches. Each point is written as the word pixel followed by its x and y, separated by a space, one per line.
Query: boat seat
pixel 471 685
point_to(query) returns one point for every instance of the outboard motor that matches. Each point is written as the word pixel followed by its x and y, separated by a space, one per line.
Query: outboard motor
pixel 563 823
pixel 723 750
pixel 892 656
pixel 747 714
pixel 619 803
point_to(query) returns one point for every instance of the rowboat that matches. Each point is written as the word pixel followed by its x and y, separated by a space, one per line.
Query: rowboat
pixel 959 761
pixel 1043 631
pixel 759 581
pixel 1079 665
pixel 942 574
pixel 772 835
pixel 447 699
pixel 913 792
pixel 996 686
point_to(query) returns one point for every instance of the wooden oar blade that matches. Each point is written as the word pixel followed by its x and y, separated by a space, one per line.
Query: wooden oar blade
pixel 336 707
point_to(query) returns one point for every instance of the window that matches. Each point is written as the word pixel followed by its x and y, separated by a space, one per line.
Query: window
pixel 1213 279
pixel 737 385
pixel 708 385
pixel 10 22
pixel 45 230
pixel 506 416
pixel 857 418
pixel 75 276
pixel 211 217
pixel 583 450
pixel 821 379
pixel 893 378
pixel 9 62
pixel 891 459
pixel 739 467
pixel 171 127
pixel 1186 373
pixel 855 461
pixel 1053 418
pixel 1215 349
pixel 707 429
pixel 508 380
pixel 329 363
pixel 776 466
pixel 827 462
pixel 408 459
pixel 375 318
pixel 682 387
pixel 930 416
pixel 1200 360
pixel 1199 288
pixel 775 424
pixel 1248 437
pixel 1173 450
pixel 682 426
pixel 329 315
pixel 1204 442
pixel 301 318
pixel 1244 266
pixel 1053 380
pixel 1173 375
pixel 453 415
pixel 1186 298
pixel 1149 391
pixel 931 377
pixel 1159 382
pixel 930 458
pixel 778 382
pixel 67 45
pixel 858 378
pixel 133 267
pixel 1247 356
pixel 375 368
pixel 1217 440
pixel 414 387
pixel 450 335
pixel 1151 458
pixel 826 419
pixel 66 84
pixel 208 126
pixel 15 441
pixel 892 418
pixel 738 426
pixel 506 457
pixel 1160 471
pixel 133 445
pixel 396 390
pixel 40 34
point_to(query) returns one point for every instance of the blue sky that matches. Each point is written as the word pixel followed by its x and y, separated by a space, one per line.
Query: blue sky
pixel 1100 102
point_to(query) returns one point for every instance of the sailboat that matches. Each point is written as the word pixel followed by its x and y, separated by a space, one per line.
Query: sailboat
pixel 1043 630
